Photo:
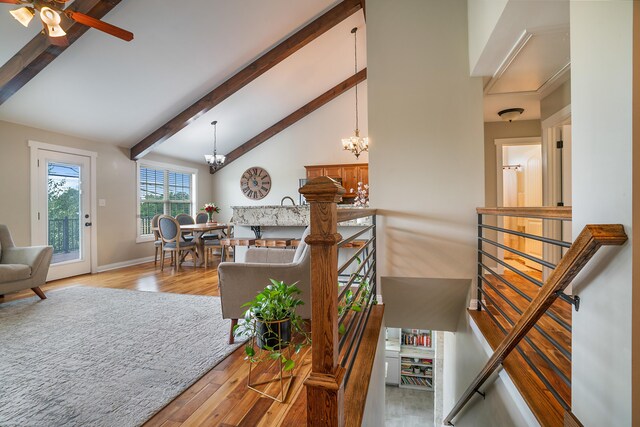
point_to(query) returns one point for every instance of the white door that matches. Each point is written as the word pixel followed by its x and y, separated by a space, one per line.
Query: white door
pixel 63 212
pixel 533 197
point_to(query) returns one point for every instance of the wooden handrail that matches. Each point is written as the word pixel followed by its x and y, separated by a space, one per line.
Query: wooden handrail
pixel 580 252
pixel 543 212
pixel 570 420
pixel 347 214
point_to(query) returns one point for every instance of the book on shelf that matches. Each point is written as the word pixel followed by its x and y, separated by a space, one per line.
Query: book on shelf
pixel 416 338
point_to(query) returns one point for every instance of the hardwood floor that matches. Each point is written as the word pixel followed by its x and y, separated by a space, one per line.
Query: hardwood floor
pixel 220 397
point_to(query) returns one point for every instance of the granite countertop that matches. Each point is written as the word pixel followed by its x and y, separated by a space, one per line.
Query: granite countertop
pixel 282 216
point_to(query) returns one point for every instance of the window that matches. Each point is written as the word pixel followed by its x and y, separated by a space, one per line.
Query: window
pixel 163 189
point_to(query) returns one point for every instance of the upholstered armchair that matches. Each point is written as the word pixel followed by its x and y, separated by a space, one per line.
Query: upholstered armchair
pixel 22 267
pixel 239 282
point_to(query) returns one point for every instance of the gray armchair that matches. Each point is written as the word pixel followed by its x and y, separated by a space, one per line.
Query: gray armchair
pixel 22 268
pixel 239 282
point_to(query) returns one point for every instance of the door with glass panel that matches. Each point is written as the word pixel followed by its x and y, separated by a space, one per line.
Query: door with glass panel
pixel 63 212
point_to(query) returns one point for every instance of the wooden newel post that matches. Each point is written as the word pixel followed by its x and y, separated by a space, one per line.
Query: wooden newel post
pixel 325 388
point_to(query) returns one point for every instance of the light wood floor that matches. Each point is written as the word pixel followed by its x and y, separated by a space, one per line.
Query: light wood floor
pixel 220 397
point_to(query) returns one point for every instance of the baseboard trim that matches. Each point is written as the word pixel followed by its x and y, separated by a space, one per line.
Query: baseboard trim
pixel 122 264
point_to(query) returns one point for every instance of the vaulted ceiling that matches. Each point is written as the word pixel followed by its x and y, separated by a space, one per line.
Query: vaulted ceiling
pixel 110 91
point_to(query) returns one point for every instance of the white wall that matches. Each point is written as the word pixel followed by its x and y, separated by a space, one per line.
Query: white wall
pixel 467 352
pixel 374 410
pixel 316 139
pixel 601 82
pixel 483 15
pixel 426 131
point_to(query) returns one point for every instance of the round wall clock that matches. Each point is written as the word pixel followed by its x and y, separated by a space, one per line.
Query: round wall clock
pixel 255 183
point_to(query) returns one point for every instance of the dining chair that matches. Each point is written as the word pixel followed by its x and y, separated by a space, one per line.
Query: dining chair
pixel 186 219
pixel 156 236
pixel 202 218
pixel 210 245
pixel 172 241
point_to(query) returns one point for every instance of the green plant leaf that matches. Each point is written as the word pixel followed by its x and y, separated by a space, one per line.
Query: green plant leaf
pixel 289 365
pixel 249 351
pixel 342 329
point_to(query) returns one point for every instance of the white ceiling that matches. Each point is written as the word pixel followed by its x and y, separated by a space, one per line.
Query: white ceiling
pixel 313 70
pixel 526 57
pixel 107 90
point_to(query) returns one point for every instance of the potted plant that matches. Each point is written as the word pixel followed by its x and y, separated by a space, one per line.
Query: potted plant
pixel 272 322
pixel 210 209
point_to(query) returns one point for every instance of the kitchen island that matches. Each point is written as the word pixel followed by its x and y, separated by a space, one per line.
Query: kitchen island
pixel 273 221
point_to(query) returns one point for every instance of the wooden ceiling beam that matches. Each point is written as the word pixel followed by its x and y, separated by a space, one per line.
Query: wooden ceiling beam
pixel 245 76
pixel 292 118
pixel 39 52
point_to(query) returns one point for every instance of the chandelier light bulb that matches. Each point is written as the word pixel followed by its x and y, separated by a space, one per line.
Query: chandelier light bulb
pixel 24 15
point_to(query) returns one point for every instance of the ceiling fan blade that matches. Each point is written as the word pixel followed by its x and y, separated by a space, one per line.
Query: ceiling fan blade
pixel 100 25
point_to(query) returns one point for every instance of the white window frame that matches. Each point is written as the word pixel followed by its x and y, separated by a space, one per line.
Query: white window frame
pixel 166 167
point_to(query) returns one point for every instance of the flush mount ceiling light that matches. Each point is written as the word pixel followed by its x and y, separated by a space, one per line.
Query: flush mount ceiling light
pixel 510 114
pixel 356 144
pixel 50 13
pixel 215 160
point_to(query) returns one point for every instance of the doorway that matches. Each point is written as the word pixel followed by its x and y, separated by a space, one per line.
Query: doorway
pixel 519 177
pixel 62 216
pixel 522 187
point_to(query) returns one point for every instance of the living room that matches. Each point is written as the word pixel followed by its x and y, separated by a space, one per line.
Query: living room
pixel 101 96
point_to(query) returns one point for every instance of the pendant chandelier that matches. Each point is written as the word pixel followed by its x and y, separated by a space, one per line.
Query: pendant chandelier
pixel 356 144
pixel 215 160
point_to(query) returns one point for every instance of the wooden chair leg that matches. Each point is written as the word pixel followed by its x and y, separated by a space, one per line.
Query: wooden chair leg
pixel 155 259
pixel 195 259
pixel 162 261
pixel 39 292
pixel 234 322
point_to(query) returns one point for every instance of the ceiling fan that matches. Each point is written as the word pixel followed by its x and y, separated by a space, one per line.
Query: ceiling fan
pixel 50 12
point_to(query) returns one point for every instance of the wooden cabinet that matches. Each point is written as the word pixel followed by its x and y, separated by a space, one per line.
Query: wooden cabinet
pixel 350 174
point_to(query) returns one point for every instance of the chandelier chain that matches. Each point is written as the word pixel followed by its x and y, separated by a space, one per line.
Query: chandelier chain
pixel 355 61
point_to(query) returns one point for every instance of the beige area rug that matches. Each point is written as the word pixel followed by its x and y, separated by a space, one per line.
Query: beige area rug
pixel 104 357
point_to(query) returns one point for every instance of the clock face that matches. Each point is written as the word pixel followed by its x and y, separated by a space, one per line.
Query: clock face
pixel 255 183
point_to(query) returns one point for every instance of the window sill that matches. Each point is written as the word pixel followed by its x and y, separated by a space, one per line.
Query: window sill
pixel 145 239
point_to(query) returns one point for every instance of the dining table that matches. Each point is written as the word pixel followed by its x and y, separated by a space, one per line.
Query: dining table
pixel 198 231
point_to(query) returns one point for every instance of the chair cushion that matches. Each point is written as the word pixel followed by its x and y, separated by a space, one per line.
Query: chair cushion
pixel 183 245
pixel 12 272
pixel 300 250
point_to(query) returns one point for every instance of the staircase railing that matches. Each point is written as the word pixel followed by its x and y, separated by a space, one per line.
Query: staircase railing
pixel 579 253
pixel 345 317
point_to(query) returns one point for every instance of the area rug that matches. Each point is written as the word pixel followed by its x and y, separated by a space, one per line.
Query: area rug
pixel 104 357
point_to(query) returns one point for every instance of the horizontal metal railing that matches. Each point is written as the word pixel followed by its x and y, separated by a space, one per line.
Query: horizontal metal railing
pixel 497 303
pixel 357 295
pixel 518 328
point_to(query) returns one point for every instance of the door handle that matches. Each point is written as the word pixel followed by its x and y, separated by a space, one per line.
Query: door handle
pixel 87 224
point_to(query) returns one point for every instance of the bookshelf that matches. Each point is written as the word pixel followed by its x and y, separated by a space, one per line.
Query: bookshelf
pixel 410 355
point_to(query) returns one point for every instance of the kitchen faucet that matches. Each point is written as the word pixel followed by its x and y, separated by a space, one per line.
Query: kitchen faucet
pixel 285 198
